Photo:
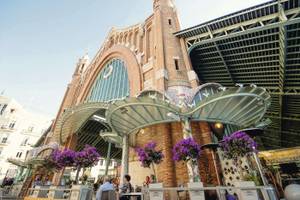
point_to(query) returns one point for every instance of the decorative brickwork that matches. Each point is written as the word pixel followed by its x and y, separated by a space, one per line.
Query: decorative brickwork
pixel 155 59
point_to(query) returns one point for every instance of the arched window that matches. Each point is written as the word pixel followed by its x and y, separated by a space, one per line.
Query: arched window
pixel 111 83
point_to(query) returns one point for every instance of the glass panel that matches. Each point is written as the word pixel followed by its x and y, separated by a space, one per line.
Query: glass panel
pixel 111 84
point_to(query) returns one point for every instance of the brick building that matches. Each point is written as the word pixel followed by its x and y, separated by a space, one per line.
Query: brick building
pixel 126 96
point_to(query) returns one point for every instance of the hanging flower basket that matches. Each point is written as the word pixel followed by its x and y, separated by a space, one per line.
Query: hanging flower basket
pixel 237 145
pixel 148 156
pixel 66 158
pixel 51 162
pixel 188 150
pixel 88 157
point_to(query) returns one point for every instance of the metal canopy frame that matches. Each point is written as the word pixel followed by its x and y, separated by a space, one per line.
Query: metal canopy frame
pixel 258 45
pixel 241 106
pixel 132 114
pixel 73 119
pixel 87 121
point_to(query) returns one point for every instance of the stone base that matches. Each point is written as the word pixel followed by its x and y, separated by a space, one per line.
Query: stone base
pixel 156 195
pixel 246 194
pixel 194 193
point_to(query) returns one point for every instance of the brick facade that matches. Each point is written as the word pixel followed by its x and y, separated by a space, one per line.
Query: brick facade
pixel 155 59
pixel 169 172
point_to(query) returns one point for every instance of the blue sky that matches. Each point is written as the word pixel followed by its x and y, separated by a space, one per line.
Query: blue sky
pixel 41 40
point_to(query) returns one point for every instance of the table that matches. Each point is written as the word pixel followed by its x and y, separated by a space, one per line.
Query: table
pixel 134 194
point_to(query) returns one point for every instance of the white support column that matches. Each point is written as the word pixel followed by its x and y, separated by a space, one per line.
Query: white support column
pixel 193 169
pixel 125 163
pixel 107 161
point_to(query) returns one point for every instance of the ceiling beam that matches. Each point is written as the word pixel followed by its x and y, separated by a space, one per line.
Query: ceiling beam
pixel 282 64
pixel 248 31
pixel 284 118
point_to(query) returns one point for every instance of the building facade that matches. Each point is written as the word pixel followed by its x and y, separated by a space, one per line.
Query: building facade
pixel 142 87
pixel 143 57
pixel 19 130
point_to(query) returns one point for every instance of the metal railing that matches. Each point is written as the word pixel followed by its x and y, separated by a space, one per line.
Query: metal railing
pixel 60 193
pixel 176 193
pixel 220 192
pixel 7 192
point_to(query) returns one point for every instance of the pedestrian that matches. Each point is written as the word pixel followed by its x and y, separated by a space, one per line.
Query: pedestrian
pixel 126 188
pixel 106 186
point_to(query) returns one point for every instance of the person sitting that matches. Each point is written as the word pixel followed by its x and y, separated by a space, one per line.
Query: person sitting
pixel 126 188
pixel 147 181
pixel 115 182
pixel 47 182
pixel 106 186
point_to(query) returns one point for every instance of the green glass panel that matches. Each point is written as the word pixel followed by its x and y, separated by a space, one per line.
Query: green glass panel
pixel 111 83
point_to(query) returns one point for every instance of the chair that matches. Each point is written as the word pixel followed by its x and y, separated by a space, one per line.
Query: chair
pixel 108 195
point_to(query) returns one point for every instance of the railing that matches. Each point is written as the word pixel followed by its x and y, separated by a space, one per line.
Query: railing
pixel 208 193
pixel 59 193
pixel 8 192
pixel 51 192
pixel 220 192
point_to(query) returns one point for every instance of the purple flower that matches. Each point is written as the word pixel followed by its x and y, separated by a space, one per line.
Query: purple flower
pixel 66 158
pixel 237 145
pixel 185 150
pixel 149 154
pixel 88 157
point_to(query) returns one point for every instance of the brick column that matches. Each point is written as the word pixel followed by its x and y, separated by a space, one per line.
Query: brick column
pixel 206 165
pixel 71 144
pixel 166 168
pixel 180 167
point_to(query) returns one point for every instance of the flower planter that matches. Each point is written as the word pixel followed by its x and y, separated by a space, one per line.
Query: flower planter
pixel 153 193
pixel 196 193
pixel 250 194
pixel 292 192
pixel 80 192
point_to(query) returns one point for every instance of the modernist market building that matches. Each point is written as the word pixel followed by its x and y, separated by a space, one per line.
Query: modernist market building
pixel 153 81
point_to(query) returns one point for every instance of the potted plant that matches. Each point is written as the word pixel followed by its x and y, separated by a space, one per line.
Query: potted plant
pixel 88 157
pixel 66 158
pixel 237 145
pixel 189 151
pixel 150 156
pixel 51 162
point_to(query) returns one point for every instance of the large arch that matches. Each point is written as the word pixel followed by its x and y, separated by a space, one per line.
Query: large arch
pixel 133 69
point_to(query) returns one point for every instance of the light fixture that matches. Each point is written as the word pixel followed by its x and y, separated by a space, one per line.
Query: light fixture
pixel 173 116
pixel 142 131
pixel 218 125
pixel 98 118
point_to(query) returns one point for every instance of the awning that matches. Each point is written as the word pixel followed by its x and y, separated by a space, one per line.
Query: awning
pixel 240 106
pixel 98 124
pixel 17 162
pixel 131 114
pixel 74 118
